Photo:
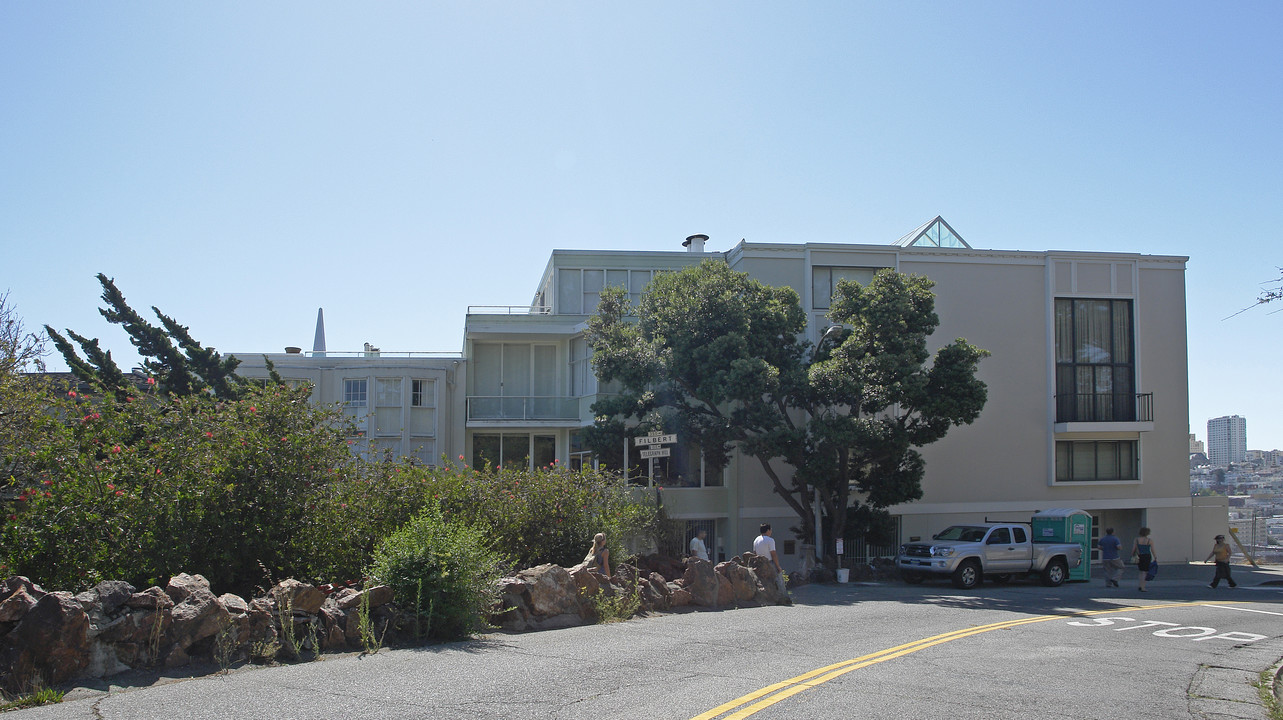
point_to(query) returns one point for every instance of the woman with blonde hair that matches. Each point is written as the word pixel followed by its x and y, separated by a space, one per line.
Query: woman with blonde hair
pixel 598 558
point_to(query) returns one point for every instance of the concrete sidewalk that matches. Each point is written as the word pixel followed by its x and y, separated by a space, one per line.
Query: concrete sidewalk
pixel 1196 572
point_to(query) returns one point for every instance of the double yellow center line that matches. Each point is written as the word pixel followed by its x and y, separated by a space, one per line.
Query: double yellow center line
pixel 753 702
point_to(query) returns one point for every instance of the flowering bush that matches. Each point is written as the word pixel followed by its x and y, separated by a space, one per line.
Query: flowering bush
pixel 145 488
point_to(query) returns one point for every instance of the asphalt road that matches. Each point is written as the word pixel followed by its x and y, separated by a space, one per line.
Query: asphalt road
pixel 878 650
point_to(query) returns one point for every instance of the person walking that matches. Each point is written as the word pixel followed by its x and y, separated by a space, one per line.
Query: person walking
pixel 1143 551
pixel 698 548
pixel 1110 546
pixel 1221 552
pixel 764 545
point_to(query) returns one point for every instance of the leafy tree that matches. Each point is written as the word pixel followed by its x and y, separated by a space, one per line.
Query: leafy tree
pixel 720 358
pixel 24 424
pixel 179 363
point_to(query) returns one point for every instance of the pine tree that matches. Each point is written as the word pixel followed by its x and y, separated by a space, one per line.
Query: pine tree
pixel 180 364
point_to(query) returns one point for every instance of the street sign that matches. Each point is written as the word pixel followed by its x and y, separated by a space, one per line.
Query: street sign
pixel 655 440
pixel 655 452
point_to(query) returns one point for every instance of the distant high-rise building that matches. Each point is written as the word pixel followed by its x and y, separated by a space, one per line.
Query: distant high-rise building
pixel 1195 445
pixel 1227 440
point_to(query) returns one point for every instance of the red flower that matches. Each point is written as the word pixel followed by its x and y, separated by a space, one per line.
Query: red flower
pixel 157 471
pixel 115 448
pixel 151 381
pixel 253 409
pixel 110 486
pixel 47 482
pixel 209 434
pixel 71 393
pixel 129 399
pixel 48 494
pixel 287 439
pixel 122 492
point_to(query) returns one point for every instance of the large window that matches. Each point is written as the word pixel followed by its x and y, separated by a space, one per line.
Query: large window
pixel 423 402
pixel 520 450
pixel 1095 365
pixel 582 380
pixel 387 406
pixel 579 290
pixel 1097 460
pixel 515 381
pixel 824 282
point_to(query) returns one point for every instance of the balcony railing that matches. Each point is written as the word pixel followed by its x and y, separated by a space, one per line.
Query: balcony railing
pixel 1105 407
pixel 494 407
pixel 509 310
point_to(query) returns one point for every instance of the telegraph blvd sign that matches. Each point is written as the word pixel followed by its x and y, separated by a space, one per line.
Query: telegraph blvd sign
pixel 655 452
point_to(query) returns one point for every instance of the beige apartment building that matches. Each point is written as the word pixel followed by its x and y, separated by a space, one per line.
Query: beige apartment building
pixel 1087 408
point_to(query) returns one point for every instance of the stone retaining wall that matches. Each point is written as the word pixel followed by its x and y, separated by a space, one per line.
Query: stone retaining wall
pixel 59 636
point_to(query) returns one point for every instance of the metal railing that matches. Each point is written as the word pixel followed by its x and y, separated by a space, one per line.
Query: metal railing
pixel 496 407
pixel 509 309
pixel 1105 407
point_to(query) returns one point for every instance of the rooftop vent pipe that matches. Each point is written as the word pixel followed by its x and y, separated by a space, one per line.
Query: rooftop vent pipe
pixel 695 243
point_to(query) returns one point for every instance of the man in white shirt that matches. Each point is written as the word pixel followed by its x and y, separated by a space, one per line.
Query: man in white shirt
pixel 698 548
pixel 764 545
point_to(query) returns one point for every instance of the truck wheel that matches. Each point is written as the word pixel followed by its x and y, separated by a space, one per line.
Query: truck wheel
pixel 967 575
pixel 913 578
pixel 1055 573
pixel 1000 578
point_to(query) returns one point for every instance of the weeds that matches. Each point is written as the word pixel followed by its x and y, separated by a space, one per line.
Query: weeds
pixel 619 607
pixel 264 652
pixel 370 643
pixel 225 647
pixel 43 696
pixel 157 631
pixel 1265 688
pixel 312 640
pixel 285 613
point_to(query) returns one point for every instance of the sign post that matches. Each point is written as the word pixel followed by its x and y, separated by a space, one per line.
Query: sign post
pixel 651 442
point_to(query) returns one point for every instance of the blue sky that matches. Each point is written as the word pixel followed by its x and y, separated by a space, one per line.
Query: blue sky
pixel 241 164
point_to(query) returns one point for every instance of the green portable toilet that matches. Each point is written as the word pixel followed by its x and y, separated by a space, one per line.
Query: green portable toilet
pixel 1066 525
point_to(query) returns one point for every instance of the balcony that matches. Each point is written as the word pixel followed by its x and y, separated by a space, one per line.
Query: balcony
pixel 1103 412
pixel 491 410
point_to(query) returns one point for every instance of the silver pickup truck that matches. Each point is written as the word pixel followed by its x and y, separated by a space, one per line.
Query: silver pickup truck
pixel 969 553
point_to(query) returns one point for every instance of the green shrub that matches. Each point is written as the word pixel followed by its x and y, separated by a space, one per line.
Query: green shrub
pixel 143 488
pixel 445 568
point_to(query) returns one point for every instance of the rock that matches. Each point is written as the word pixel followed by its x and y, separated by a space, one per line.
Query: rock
pixel 17 582
pixel 702 583
pixel 586 581
pixel 342 594
pixel 551 589
pixel 298 595
pixel 52 639
pixel 680 596
pixel 768 586
pixel 743 581
pixel 379 595
pixel 149 599
pixel 112 594
pixel 136 626
pixel 333 634
pixel 182 585
pixel 235 604
pixel 17 605
pixel 197 617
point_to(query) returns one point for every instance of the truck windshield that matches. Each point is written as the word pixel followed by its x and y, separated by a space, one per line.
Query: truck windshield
pixel 962 533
